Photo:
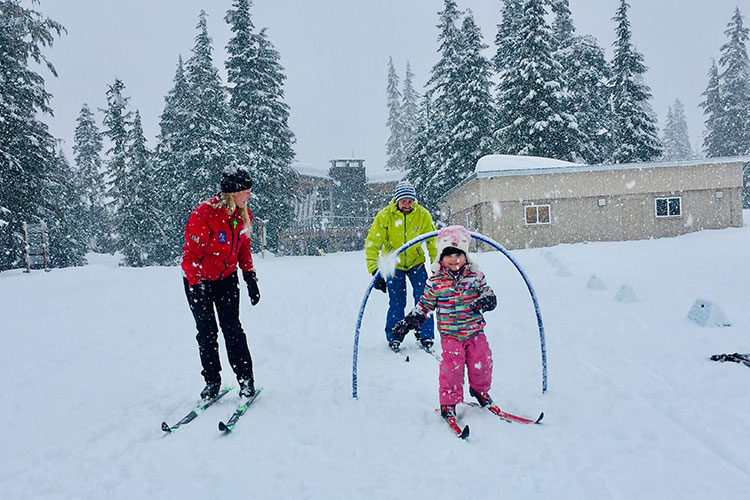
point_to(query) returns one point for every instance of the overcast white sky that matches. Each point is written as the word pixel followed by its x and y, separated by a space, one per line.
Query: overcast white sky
pixel 335 54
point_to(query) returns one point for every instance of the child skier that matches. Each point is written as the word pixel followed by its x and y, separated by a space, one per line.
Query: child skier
pixel 459 294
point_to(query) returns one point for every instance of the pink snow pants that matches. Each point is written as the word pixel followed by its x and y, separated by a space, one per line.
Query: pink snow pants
pixel 473 353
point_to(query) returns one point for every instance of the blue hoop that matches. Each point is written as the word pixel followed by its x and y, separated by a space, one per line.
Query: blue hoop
pixel 481 238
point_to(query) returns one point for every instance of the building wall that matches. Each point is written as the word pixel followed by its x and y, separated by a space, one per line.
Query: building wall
pixel 496 205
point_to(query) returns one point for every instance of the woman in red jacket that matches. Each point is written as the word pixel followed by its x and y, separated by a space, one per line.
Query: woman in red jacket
pixel 217 238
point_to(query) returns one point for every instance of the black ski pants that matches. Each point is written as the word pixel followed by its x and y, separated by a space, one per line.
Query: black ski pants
pixel 224 296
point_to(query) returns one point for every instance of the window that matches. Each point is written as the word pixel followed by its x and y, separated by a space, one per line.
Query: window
pixel 537 214
pixel 669 207
pixel 468 221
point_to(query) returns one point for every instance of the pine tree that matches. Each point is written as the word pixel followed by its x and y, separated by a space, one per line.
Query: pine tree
pixel 116 117
pixel 441 94
pixel 538 112
pixel 170 159
pixel 714 140
pixel 139 221
pixel 587 85
pixel 584 74
pixel 676 139
pixel 206 133
pixel 634 129
pixel 420 154
pixel 63 211
pixel 409 113
pixel 27 153
pixel 89 178
pixel 260 119
pixel 470 117
pixel 506 42
pixel 563 29
pixel 735 87
pixel 394 147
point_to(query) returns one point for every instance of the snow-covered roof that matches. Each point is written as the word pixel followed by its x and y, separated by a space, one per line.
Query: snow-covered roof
pixel 311 170
pixel 502 163
pixel 509 165
pixel 385 176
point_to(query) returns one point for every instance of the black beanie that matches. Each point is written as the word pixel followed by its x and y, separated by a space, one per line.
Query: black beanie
pixel 239 180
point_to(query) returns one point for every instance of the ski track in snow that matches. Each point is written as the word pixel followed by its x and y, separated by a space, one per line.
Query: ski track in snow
pixel 95 358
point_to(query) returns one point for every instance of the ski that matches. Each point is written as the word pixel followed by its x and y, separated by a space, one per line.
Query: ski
pixel 194 412
pixel 509 417
pixel 430 351
pixel 453 424
pixel 241 409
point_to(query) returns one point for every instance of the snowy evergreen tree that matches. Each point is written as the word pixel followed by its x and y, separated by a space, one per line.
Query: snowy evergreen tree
pixel 585 73
pixel 260 120
pixel 506 43
pixel 170 158
pixel 735 87
pixel 87 149
pixel 506 39
pixel 634 130
pixel 441 94
pixel 676 139
pixel 63 211
pixel 116 117
pixel 206 133
pixel 563 29
pixel 27 150
pixel 587 85
pixel 536 109
pixel 470 119
pixel 139 220
pixel 394 147
pixel 409 112
pixel 714 137
pixel 420 156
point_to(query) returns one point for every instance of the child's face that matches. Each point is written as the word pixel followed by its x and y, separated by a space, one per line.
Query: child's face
pixel 455 261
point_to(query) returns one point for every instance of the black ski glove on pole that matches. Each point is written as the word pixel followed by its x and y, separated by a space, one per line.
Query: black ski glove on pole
pixel 252 286
pixel 380 284
pixel 412 321
pixel 486 302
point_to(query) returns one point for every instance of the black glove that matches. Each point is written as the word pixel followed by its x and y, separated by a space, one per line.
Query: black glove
pixel 380 284
pixel 486 302
pixel 252 286
pixel 412 321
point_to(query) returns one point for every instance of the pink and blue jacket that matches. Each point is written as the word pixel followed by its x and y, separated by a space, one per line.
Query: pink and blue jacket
pixel 449 295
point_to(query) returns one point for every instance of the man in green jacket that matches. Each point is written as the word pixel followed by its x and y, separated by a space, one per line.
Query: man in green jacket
pixel 403 219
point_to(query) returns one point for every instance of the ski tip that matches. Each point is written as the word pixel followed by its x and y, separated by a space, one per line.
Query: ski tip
pixel 539 419
pixel 407 359
pixel 464 433
pixel 223 427
pixel 165 427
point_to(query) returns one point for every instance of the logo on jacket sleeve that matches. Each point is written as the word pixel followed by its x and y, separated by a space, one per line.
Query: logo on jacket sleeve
pixel 222 236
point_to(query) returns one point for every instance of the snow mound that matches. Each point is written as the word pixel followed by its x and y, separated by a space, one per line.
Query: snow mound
pixel 626 294
pixel 596 283
pixel 707 313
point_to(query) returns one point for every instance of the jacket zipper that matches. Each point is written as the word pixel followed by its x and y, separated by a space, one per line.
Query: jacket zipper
pixel 231 247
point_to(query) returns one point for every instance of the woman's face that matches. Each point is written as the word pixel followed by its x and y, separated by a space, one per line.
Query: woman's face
pixel 241 197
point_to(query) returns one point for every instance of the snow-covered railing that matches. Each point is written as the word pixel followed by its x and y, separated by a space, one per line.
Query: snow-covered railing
pixel 481 238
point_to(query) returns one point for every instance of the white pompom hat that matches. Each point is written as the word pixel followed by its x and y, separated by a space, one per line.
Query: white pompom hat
pixel 451 237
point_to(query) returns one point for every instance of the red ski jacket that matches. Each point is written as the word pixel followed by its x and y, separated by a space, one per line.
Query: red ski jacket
pixel 215 241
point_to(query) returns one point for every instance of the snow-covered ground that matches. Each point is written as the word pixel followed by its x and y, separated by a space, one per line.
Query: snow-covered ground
pixel 93 359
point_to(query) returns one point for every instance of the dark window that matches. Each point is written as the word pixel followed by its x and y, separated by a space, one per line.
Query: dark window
pixel 669 207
